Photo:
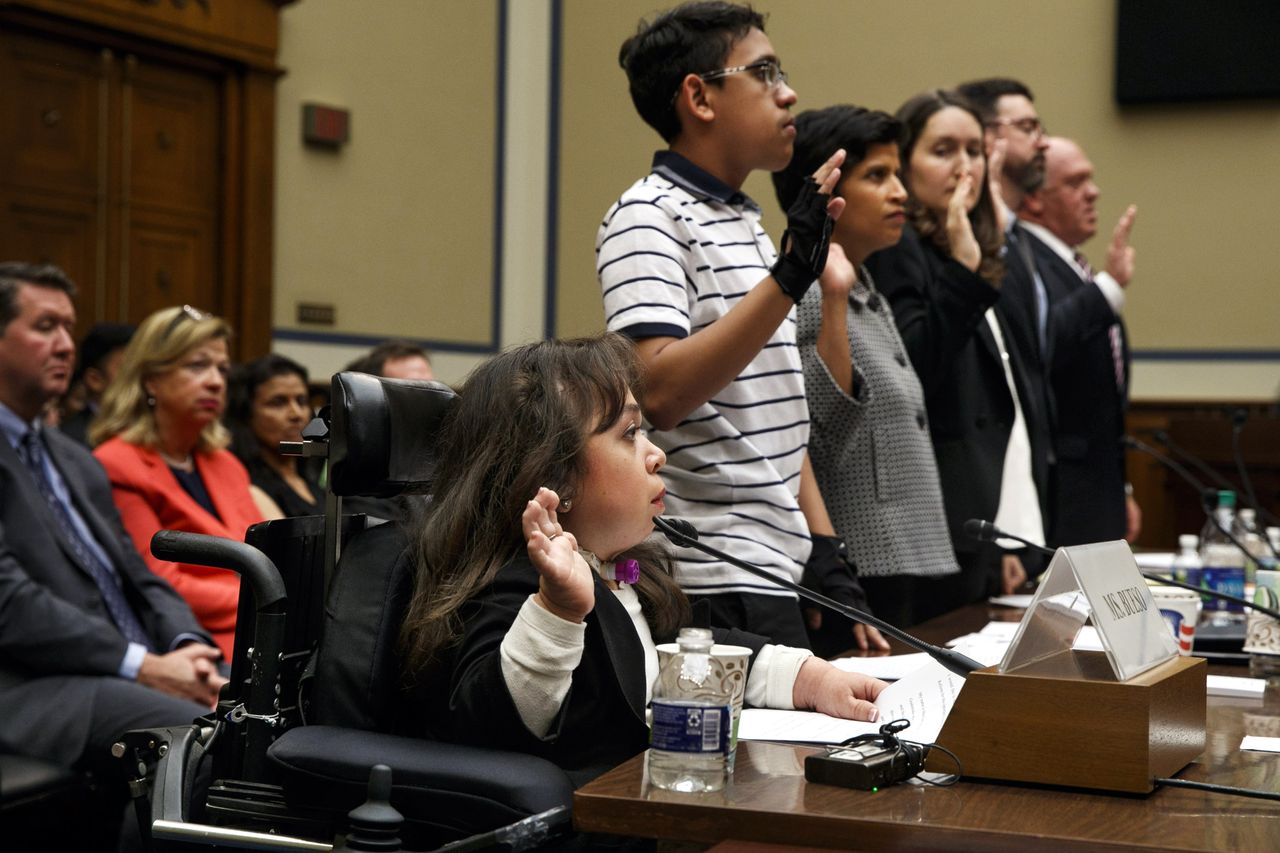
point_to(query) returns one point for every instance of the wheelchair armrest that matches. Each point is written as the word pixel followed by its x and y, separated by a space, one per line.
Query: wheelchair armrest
pixel 449 789
pixel 248 562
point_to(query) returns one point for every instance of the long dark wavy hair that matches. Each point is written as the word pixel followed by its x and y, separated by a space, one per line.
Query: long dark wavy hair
pixel 914 115
pixel 521 421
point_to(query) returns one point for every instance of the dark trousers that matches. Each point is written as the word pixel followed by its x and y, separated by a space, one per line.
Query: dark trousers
pixel 774 616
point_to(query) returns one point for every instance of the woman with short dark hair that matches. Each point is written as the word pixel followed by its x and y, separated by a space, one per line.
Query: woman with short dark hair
pixel 868 439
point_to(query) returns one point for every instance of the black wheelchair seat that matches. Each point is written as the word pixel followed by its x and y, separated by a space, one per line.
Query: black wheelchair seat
pixel 290 748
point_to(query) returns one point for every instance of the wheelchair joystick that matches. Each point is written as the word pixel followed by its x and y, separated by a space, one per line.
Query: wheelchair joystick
pixel 375 825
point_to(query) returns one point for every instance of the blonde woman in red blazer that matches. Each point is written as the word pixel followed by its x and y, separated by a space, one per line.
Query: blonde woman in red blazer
pixel 159 436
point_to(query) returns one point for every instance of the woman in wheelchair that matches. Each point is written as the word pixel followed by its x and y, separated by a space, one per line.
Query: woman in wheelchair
pixel 527 610
pixel 159 437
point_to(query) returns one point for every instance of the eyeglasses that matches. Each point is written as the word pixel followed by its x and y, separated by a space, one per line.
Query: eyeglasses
pixel 767 71
pixel 187 313
pixel 1031 125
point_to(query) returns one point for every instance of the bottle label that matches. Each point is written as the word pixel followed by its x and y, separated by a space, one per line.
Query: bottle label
pixel 1225 580
pixel 690 727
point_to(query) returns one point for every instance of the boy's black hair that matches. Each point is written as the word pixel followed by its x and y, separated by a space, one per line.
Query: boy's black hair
pixel 984 94
pixel 819 133
pixel 692 38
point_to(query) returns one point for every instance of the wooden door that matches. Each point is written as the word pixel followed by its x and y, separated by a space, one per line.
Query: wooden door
pixel 112 169
pixel 54 107
pixel 171 164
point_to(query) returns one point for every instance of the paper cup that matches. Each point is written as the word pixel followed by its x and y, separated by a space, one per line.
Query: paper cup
pixel 1181 610
pixel 731 676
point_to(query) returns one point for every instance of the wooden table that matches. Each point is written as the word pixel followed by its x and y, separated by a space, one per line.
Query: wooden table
pixel 768 799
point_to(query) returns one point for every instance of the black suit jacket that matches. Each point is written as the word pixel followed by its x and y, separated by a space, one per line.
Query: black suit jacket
pixel 602 720
pixel 52 619
pixel 939 307
pixel 1090 406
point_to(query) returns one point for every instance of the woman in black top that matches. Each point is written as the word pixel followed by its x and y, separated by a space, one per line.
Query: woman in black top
pixel 268 403
pixel 941 279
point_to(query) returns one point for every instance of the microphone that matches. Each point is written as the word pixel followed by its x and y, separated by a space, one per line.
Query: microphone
pixel 1247 496
pixel 985 531
pixel 1196 462
pixel 1205 493
pixel 1239 417
pixel 684 534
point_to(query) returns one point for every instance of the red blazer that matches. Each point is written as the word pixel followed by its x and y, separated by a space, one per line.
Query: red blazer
pixel 150 498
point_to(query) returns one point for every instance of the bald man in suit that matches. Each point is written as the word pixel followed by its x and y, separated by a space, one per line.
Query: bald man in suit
pixel 1088 351
pixel 92 644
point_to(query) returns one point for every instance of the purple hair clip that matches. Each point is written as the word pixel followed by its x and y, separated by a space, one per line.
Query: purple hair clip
pixel 625 571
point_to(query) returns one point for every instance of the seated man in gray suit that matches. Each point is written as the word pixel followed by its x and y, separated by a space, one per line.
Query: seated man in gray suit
pixel 92 644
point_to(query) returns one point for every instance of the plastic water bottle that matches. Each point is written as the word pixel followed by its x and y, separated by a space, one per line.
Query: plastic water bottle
pixel 692 718
pixel 1223 562
pixel 1247 532
pixel 1186 563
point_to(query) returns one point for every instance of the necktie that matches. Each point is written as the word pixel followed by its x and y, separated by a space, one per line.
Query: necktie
pixel 104 577
pixel 1113 333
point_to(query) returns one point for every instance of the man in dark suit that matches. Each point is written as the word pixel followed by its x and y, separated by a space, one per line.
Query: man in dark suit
pixel 92 644
pixel 1088 353
pixel 1012 124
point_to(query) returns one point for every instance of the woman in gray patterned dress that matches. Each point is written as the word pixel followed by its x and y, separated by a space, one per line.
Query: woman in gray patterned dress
pixel 869 438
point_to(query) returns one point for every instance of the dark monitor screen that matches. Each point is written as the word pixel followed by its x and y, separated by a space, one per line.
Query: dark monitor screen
pixel 1195 50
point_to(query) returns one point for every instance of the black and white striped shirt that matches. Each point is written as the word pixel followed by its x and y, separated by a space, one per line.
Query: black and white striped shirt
pixel 673 255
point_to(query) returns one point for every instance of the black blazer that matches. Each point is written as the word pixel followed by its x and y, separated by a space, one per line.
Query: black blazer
pixel 1090 406
pixel 52 619
pixel 939 307
pixel 602 720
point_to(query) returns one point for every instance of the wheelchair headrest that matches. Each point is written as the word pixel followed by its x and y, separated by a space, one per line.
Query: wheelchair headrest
pixel 382 434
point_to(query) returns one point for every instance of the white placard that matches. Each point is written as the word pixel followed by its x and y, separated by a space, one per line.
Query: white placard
pixel 1101 581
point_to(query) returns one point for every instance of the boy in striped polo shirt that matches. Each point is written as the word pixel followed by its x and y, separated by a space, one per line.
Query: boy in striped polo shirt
pixel 689 274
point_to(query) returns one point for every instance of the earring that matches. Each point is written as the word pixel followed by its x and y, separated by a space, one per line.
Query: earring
pixel 565 505
pixel 151 402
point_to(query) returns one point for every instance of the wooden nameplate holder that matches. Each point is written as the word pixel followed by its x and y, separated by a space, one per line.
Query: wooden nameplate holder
pixel 1113 720
pixel 1065 720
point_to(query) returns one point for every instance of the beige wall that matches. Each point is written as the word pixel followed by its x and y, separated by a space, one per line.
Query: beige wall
pixel 396 230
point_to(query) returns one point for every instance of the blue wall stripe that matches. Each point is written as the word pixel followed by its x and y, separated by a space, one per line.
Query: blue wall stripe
pixel 1206 355
pixel 360 340
pixel 499 176
pixel 553 173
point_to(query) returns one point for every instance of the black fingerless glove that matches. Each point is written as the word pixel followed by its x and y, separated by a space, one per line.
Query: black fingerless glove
pixel 804 244
pixel 831 572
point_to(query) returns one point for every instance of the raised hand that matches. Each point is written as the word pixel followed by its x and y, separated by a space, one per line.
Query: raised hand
pixel 964 246
pixel 828 177
pixel 1120 254
pixel 837 276
pixel 566 585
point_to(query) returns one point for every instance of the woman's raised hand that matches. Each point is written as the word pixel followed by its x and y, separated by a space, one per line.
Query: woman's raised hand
pixel 964 246
pixel 565 583
pixel 838 276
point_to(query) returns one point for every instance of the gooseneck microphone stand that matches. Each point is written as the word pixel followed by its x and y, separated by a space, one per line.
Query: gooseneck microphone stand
pixel 682 533
pixel 985 531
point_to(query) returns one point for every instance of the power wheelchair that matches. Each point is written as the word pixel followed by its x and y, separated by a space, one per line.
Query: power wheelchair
pixel 315 699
